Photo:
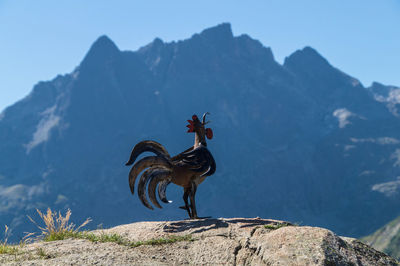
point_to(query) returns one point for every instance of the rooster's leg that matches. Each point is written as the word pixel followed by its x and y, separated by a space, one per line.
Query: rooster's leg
pixel 185 199
pixel 192 201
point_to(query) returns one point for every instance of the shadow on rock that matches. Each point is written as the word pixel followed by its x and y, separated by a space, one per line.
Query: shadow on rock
pixel 203 225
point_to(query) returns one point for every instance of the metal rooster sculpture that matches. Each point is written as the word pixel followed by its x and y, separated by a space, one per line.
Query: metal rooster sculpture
pixel 187 169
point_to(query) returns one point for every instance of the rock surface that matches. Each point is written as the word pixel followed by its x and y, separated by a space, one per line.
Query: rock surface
pixel 234 241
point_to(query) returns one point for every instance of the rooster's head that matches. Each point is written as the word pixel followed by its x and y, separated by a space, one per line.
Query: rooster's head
pixel 198 127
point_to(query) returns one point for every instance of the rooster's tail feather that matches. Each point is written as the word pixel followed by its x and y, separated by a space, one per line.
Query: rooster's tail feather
pixel 150 146
pixel 152 175
pixel 142 164
pixel 159 177
pixel 162 187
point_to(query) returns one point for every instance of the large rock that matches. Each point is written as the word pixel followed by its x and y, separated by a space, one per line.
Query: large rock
pixel 235 241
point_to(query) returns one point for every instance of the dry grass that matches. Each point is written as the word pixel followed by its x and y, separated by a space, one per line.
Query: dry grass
pixel 56 226
pixel 6 248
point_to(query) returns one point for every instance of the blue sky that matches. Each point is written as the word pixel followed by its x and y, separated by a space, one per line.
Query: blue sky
pixel 42 38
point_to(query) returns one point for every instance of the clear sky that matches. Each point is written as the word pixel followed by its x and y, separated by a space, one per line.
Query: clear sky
pixel 42 38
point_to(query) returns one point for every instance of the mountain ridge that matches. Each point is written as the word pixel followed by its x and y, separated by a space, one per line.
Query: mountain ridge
pixel 317 136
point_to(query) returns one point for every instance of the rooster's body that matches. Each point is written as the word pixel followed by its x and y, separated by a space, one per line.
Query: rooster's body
pixel 187 169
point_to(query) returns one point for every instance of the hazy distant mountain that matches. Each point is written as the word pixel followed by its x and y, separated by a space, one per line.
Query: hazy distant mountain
pixel 386 239
pixel 301 141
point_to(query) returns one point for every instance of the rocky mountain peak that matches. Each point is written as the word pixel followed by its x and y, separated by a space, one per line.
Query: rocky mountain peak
pixel 155 45
pixel 101 50
pixel 220 32
pixel 104 44
pixel 158 42
pixel 381 88
pixel 306 57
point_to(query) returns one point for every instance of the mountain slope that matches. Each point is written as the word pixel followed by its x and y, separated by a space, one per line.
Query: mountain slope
pixel 386 239
pixel 300 141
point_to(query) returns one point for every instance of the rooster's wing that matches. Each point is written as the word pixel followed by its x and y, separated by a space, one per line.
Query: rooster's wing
pixel 198 160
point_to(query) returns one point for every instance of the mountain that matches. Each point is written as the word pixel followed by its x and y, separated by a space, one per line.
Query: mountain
pixel 386 239
pixel 390 95
pixel 301 141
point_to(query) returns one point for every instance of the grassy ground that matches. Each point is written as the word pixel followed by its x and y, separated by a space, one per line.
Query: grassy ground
pixel 5 248
pixel 56 227
pixel 114 238
pixel 276 226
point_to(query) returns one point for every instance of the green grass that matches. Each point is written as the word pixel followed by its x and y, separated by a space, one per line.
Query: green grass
pixel 162 241
pixel 115 238
pixel 8 249
pixel 276 226
pixel 42 254
pixel 102 238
